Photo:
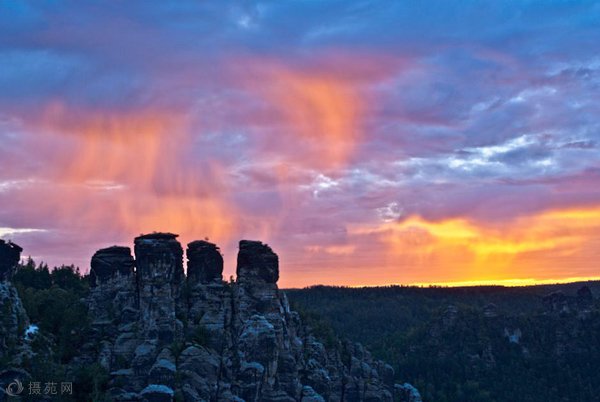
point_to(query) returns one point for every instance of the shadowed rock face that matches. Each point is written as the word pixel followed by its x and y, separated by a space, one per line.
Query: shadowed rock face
pixel 257 261
pixel 13 318
pixel 10 254
pixel 205 262
pixel 109 262
pixel 159 255
pixel 556 302
pixel 159 263
pixel 207 303
pixel 215 341
pixel 112 288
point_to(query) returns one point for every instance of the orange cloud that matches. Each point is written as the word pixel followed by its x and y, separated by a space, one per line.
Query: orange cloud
pixel 322 109
pixel 318 114
pixel 123 172
pixel 333 250
pixel 526 249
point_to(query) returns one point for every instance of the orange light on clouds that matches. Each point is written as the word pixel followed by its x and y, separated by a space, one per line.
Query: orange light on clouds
pixel 333 250
pixel 466 251
pixel 317 114
pixel 128 172
pixel 128 176
pixel 122 171
pixel 321 109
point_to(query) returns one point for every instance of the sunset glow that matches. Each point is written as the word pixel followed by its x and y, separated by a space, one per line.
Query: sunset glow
pixel 364 154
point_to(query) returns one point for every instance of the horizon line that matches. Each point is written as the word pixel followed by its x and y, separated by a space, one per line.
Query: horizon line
pixel 474 283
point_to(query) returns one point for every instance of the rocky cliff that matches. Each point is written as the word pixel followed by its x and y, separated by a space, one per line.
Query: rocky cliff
pixel 163 335
pixel 13 319
pixel 10 254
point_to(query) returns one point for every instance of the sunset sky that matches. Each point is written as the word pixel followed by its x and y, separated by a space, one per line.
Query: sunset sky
pixel 368 142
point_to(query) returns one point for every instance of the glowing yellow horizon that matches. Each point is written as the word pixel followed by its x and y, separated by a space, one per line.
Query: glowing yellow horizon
pixel 507 282
pixel 501 282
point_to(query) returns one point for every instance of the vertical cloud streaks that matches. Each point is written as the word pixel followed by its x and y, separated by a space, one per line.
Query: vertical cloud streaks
pixel 367 144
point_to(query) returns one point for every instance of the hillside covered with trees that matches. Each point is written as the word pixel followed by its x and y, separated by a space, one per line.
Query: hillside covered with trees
pixel 139 327
pixel 476 344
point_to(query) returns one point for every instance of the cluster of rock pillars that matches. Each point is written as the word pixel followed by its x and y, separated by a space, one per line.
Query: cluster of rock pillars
pixel 164 335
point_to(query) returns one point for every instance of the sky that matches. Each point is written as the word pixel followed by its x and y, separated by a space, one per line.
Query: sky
pixel 368 142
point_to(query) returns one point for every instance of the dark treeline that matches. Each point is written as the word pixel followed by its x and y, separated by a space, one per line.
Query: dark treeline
pixel 473 344
pixel 483 344
pixel 55 302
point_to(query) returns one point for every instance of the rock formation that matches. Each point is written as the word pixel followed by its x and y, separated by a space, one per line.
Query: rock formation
pixel 209 308
pixel 10 254
pixel 164 335
pixel 559 303
pixel 111 283
pixel 205 262
pixel 407 393
pixel 556 302
pixel 160 280
pixel 13 319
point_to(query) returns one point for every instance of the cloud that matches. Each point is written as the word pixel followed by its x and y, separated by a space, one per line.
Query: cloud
pixel 480 251
pixel 6 232
pixel 333 131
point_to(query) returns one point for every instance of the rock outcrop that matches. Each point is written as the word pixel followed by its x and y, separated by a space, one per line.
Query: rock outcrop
pixel 112 286
pixel 257 262
pixel 556 302
pixel 160 280
pixel 13 320
pixel 166 336
pixel 205 262
pixel 407 393
pixel 209 308
pixel 10 254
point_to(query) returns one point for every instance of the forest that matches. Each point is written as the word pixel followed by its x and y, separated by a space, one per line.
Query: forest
pixel 55 301
pixel 472 344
